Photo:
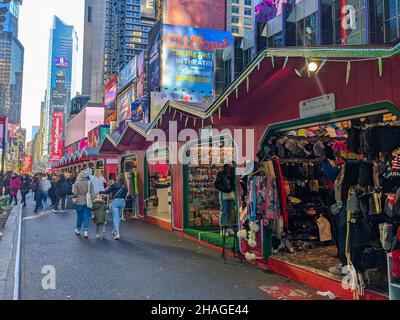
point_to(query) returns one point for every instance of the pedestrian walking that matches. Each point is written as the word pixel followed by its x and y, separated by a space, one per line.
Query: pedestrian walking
pixel 118 193
pixel 52 192
pixel 100 209
pixel 15 185
pixel 225 184
pixel 7 179
pixel 99 182
pixel 82 189
pixel 42 193
pixel 61 190
pixel 25 187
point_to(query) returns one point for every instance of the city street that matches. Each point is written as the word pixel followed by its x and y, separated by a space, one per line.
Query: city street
pixel 148 263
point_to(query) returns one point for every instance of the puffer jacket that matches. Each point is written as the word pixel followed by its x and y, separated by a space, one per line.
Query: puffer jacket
pixel 99 211
pixel 80 189
pixel 225 182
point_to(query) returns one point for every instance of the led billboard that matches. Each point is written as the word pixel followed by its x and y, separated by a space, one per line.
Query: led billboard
pixel 140 110
pixel 154 80
pixel 188 61
pixel 124 104
pixel 110 96
pixel 198 14
pixel 57 144
pixel 127 74
pixel 140 75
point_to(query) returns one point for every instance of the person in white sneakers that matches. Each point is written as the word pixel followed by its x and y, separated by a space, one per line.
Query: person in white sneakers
pixel 80 190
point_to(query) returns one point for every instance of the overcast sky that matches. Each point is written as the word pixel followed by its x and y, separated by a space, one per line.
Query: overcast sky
pixel 34 30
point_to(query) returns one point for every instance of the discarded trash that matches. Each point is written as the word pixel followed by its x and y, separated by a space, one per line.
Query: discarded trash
pixel 327 294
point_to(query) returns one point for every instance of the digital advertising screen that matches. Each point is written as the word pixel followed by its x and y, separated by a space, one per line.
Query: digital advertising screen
pixel 127 74
pixel 57 144
pixel 266 10
pixel 140 75
pixel 62 62
pixel 140 110
pixel 198 14
pixel 154 76
pixel 124 104
pixel 110 96
pixel 188 61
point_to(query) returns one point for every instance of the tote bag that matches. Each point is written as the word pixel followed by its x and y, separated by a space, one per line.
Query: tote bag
pixel 89 200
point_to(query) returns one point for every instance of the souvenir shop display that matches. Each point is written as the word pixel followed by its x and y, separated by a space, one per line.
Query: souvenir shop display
pixel 203 197
pixel 204 203
pixel 338 190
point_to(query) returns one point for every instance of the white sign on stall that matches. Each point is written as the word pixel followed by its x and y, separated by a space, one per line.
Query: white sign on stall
pixel 317 106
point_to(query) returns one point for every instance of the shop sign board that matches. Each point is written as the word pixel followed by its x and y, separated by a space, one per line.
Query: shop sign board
pixel 140 75
pixel 27 165
pixel 188 61
pixel 112 161
pixel 317 106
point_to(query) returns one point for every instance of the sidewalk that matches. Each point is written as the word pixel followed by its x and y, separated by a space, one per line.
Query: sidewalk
pixel 7 255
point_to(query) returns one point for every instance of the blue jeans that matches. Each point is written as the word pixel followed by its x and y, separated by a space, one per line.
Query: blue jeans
pixel 45 195
pixel 226 210
pixel 118 206
pixel 84 215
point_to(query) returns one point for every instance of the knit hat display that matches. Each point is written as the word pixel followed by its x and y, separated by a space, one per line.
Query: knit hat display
pixel 319 149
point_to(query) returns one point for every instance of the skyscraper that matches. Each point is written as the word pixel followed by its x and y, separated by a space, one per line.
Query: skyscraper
pixel 63 50
pixel 93 50
pixel 128 23
pixel 11 61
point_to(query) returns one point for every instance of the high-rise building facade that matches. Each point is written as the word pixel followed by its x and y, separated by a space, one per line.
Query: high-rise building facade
pixel 239 17
pixel 93 50
pixel 128 23
pixel 11 61
pixel 63 50
pixel 326 22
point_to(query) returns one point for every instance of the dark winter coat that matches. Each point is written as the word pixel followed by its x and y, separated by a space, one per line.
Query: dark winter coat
pixel 225 181
pixel 61 187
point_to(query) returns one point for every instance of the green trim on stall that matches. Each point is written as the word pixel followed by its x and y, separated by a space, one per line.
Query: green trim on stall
pixel 145 183
pixel 359 111
pixel 382 106
pixel 211 236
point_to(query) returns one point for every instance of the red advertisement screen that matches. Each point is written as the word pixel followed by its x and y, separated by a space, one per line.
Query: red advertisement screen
pixel 197 14
pixel 57 143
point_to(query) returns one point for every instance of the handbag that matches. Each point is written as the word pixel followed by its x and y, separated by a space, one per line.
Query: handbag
pixel 228 196
pixel 89 200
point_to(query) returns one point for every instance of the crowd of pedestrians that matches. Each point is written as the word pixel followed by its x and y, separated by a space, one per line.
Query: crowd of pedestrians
pixel 85 192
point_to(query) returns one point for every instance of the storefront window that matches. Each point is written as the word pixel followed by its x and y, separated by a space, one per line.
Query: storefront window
pixel 158 204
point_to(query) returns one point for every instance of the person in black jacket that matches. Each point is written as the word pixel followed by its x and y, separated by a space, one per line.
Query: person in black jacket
pixel 225 184
pixel 61 190
pixel 118 192
pixel 25 187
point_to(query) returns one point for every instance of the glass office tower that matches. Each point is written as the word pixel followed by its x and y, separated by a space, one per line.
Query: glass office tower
pixel 11 61
pixel 63 50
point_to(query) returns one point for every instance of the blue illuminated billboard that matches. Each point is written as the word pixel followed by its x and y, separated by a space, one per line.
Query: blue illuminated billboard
pixel 188 60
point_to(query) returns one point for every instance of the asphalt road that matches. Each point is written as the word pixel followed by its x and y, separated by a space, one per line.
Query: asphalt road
pixel 148 263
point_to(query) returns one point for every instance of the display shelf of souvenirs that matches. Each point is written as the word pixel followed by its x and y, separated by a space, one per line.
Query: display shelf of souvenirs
pixel 206 218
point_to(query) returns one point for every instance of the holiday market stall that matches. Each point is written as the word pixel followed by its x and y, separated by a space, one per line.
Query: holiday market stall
pixel 306 109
